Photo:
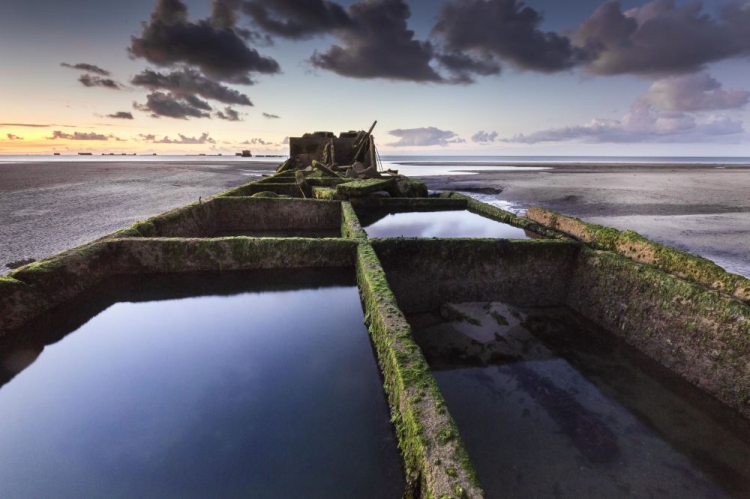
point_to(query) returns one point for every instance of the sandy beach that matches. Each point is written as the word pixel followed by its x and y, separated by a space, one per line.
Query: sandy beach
pixel 703 209
pixel 48 207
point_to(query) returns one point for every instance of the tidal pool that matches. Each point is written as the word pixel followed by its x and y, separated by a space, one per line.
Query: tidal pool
pixel 444 223
pixel 550 406
pixel 244 384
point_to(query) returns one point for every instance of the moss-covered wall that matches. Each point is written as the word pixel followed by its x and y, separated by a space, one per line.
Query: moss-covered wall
pixel 350 226
pixel 36 288
pixel 638 248
pixel 424 274
pixel 700 334
pixel 437 465
pixel 188 221
pixel 236 214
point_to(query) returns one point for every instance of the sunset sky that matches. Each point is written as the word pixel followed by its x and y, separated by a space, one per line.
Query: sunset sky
pixel 544 77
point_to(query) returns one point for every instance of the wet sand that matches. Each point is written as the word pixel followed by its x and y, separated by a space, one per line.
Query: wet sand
pixel 49 207
pixel 703 209
pixel 46 208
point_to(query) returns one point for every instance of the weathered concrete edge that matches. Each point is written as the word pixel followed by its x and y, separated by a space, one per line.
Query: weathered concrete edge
pixel 408 203
pixel 636 247
pixel 350 226
pixel 507 217
pixel 436 461
pixel 701 334
pixel 38 287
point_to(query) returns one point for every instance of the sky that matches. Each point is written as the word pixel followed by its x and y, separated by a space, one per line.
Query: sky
pixel 444 77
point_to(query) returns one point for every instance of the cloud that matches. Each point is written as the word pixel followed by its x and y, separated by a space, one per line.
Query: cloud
pixel 182 140
pixel 271 116
pixel 484 137
pixel 258 142
pixel 161 104
pixel 121 115
pixel 462 67
pixel 213 45
pixel 661 37
pixel 506 30
pixel 297 19
pixel 57 134
pixel 91 68
pixel 188 81
pixel 14 137
pixel 378 44
pixel 643 123
pixel 32 125
pixel 694 92
pixel 97 81
pixel 228 114
pixel 430 136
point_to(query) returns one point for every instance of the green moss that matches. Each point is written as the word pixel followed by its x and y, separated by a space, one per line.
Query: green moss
pixel 350 226
pixel 359 188
pixel 412 390
pixel 640 249
pixel 265 194
pixel 326 193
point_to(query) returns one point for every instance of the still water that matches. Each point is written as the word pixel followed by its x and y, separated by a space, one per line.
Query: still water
pixel 447 223
pixel 246 384
pixel 549 406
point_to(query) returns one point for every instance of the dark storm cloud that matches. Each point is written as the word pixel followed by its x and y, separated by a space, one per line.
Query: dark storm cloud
pixel 57 134
pixel 188 81
pixel 170 106
pixel 183 139
pixel 378 44
pixel 661 37
pixel 297 19
pixel 463 67
pixel 228 114
pixel 429 136
pixel 269 116
pixel 96 81
pixel 507 30
pixel 91 68
pixel 121 115
pixel 214 45
pixel 13 137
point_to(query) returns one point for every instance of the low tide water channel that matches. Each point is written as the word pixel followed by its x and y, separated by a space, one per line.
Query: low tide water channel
pixel 550 406
pixel 242 384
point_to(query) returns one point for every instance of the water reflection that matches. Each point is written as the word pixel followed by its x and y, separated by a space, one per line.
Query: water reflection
pixel 251 384
pixel 549 406
pixel 445 223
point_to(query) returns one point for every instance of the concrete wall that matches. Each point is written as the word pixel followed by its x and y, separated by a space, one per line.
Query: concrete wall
pixel 426 273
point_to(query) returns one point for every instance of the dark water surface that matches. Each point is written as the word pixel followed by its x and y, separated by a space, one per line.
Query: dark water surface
pixel 553 407
pixel 247 384
pixel 444 223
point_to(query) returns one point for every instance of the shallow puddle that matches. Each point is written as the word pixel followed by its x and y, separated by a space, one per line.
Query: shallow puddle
pixel 550 406
pixel 246 384
pixel 446 223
